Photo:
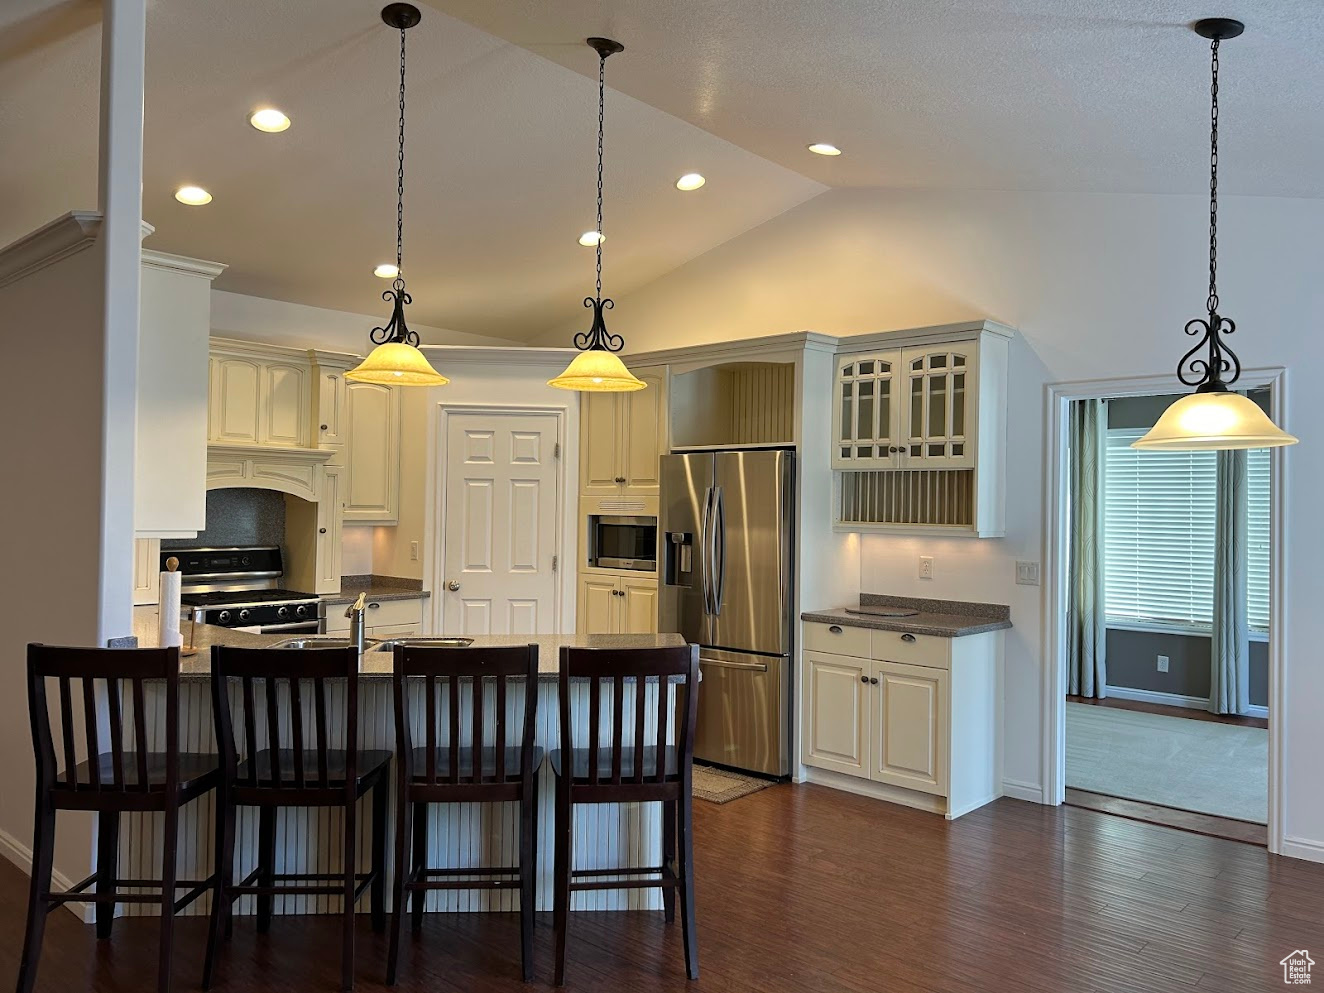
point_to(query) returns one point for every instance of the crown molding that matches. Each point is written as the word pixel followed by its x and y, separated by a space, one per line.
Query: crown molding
pixel 182 263
pixel 67 235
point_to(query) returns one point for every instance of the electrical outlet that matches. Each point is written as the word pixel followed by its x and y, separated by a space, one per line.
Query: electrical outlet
pixel 1027 573
pixel 1162 663
pixel 413 551
pixel 926 567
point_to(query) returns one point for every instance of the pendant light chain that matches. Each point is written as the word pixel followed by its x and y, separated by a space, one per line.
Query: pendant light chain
pixel 400 176
pixel 602 102
pixel 1213 179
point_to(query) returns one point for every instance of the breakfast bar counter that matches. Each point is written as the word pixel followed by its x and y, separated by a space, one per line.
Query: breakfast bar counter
pixel 480 833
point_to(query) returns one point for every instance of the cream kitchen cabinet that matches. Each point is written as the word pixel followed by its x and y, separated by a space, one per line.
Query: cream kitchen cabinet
pixel 330 396
pixel 146 571
pixel 373 489
pixel 383 618
pixel 916 716
pixel 258 395
pixel 170 470
pixel 622 438
pixel 616 605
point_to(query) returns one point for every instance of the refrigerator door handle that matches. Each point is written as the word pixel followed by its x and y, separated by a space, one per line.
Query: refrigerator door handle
pixel 719 550
pixel 705 565
pixel 722 663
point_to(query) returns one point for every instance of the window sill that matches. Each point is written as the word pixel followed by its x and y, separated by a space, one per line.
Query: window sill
pixel 1191 630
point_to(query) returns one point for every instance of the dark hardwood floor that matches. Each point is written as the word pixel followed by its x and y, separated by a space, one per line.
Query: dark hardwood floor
pixel 805 890
pixel 1188 713
pixel 1155 813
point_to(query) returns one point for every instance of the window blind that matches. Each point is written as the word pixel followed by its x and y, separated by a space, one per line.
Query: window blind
pixel 1159 510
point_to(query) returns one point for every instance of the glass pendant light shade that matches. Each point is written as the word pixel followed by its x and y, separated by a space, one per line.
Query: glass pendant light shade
pixel 396 364
pixel 597 371
pixel 1214 420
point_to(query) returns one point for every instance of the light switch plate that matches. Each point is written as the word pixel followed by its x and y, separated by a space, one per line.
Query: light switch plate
pixel 413 551
pixel 926 567
pixel 1027 573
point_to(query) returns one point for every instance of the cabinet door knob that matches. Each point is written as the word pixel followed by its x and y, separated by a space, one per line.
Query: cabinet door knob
pixel 835 629
pixel 321 530
pixel 864 679
pixel 323 427
pixel 907 637
pixel 620 479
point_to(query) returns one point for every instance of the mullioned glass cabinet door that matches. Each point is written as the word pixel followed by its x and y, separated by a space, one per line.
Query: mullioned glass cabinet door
pixel 867 430
pixel 940 404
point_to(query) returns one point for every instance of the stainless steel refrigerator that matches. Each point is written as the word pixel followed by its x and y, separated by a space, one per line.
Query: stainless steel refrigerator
pixel 726 586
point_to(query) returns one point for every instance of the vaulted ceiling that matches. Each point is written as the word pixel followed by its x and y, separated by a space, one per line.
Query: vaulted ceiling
pixel 1054 95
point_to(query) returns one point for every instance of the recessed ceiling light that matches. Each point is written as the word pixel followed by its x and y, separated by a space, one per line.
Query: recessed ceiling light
pixel 270 120
pixel 591 238
pixel 194 196
pixel 690 181
pixel 386 270
pixel 823 148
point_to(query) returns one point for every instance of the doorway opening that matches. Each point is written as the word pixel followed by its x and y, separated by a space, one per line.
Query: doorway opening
pixel 1161 582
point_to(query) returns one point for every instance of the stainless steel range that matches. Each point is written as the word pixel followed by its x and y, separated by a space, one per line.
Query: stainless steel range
pixel 240 588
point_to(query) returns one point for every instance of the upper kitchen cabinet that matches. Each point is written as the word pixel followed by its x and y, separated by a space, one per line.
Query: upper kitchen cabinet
pixel 259 395
pixel 622 438
pixel 330 395
pixel 170 492
pixel 373 491
pixel 919 430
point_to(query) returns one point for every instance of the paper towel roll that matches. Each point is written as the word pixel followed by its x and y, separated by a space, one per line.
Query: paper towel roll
pixel 168 635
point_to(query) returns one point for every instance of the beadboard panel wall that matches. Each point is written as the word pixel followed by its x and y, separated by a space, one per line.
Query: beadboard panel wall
pixel 605 835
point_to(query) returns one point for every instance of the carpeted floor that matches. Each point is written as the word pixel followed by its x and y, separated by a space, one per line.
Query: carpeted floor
pixel 722 786
pixel 1212 768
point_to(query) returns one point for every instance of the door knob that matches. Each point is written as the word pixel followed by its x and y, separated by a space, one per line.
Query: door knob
pixel 453 586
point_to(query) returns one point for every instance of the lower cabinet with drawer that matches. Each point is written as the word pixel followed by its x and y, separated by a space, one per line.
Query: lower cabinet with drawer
pixel 383 619
pixel 910 718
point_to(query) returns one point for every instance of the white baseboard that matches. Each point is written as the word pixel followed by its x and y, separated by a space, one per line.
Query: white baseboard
pixel 1154 696
pixel 21 855
pixel 1018 790
pixel 1303 848
pixel 1175 700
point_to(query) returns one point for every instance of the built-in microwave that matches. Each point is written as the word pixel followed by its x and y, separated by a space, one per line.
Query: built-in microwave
pixel 622 542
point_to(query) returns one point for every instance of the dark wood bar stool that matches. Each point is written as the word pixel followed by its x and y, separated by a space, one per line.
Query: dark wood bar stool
pixel 282 767
pixel 466 769
pixel 626 770
pixel 128 778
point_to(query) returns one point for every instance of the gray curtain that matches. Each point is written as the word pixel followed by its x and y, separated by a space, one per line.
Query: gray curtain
pixel 1229 684
pixel 1086 613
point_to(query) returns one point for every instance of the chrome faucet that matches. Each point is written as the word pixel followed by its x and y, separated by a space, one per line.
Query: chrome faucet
pixel 356 612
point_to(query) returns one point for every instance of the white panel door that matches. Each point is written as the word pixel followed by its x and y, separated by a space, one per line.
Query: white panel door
pixel 837 713
pixel 499 523
pixel 910 726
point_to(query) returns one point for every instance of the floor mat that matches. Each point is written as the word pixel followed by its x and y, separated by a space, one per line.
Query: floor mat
pixel 720 786
pixel 1212 768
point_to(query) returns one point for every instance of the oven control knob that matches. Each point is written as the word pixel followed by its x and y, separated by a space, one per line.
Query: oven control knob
pixel 245 614
pixel 301 610
pixel 223 617
pixel 245 560
pixel 282 612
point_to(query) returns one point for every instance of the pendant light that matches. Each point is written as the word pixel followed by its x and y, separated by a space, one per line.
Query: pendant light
pixel 1213 416
pixel 597 369
pixel 396 361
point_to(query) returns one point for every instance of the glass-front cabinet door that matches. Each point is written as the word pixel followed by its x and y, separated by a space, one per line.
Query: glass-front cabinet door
pixel 867 416
pixel 939 383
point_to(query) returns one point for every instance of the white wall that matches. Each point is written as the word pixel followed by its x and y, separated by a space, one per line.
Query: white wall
pixel 1099 286
pixel 236 315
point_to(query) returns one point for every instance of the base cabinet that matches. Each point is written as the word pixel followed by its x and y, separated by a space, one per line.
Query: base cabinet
pixel 384 618
pixel 914 714
pixel 616 605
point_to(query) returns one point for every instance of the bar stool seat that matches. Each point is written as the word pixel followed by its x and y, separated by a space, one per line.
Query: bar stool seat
pixel 628 760
pixel 466 763
pixel 372 764
pixel 198 773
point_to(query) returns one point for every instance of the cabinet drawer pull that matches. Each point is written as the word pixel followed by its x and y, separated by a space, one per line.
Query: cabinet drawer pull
pixel 907 637
pixel 374 606
pixel 835 629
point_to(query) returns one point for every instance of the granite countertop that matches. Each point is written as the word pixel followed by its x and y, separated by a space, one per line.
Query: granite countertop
pixel 939 618
pixel 195 660
pixel 377 588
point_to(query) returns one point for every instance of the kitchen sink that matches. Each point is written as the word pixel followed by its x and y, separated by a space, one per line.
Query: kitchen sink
pixel 390 643
pixel 323 641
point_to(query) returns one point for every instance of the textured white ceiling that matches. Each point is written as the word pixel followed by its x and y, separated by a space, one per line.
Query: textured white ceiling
pixel 1057 95
pixel 501 158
